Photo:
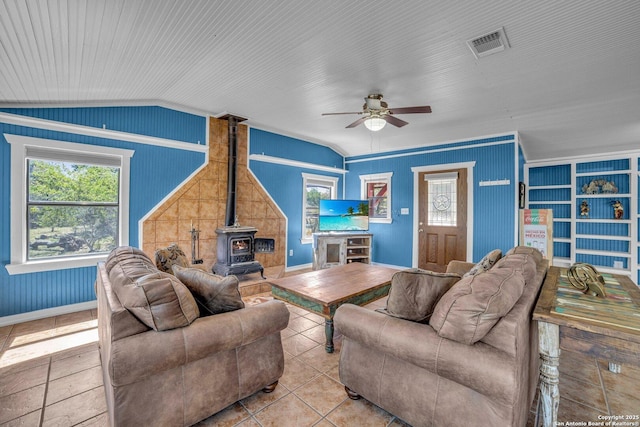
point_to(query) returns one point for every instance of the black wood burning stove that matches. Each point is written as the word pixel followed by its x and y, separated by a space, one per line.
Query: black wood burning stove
pixel 236 244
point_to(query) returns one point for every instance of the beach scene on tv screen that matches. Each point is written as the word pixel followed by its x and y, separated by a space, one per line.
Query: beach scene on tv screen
pixel 344 215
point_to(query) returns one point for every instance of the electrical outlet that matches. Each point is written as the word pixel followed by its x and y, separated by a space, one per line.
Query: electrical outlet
pixel 618 264
pixel 290 252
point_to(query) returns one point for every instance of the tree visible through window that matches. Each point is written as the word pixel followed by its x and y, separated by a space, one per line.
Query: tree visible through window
pixel 72 208
pixel 316 187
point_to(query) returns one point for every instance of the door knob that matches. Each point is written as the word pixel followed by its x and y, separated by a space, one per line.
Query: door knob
pixel 420 230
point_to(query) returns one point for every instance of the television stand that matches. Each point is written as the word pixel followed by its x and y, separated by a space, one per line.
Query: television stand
pixel 333 249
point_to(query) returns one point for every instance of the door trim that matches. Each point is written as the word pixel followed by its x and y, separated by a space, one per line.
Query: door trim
pixel 434 168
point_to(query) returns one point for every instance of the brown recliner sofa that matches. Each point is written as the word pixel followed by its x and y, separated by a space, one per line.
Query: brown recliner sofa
pixel 163 364
pixel 454 370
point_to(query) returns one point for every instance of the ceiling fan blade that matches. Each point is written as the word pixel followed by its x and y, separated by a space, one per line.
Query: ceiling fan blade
pixel 394 121
pixel 357 122
pixel 338 114
pixel 410 110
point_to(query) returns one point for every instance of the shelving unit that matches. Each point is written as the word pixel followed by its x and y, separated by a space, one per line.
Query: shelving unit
pixel 610 244
pixel 333 249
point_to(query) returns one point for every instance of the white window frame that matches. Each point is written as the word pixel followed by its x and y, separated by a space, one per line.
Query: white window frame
pixel 308 178
pixel 380 177
pixel 19 239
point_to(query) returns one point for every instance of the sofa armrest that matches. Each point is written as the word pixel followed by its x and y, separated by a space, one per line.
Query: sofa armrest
pixel 459 267
pixel 479 366
pixel 146 354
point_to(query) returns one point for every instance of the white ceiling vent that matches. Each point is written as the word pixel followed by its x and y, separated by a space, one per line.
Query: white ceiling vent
pixel 490 43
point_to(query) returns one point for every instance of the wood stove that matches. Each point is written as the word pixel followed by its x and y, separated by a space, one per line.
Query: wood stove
pixel 236 245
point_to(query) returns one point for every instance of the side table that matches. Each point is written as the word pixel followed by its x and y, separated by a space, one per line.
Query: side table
pixel 606 328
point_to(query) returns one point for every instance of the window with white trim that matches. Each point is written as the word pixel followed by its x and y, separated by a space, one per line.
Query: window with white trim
pixel 377 189
pixel 315 187
pixel 69 203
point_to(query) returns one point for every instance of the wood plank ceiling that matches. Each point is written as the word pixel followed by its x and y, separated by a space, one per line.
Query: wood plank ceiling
pixel 568 82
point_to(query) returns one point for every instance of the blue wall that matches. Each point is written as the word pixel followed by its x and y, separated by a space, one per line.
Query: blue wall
pixel 155 172
pixel 494 206
pixel 493 209
pixel 283 182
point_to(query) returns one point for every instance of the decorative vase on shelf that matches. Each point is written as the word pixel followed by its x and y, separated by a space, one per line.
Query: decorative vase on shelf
pixel 584 209
pixel 618 209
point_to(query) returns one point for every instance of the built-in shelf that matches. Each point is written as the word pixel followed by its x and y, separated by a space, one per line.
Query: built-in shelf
pixel 610 244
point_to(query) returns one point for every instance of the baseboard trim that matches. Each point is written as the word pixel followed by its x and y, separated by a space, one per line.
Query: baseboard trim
pixel 47 312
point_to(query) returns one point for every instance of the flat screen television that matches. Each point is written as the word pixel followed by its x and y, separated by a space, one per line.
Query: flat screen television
pixel 343 215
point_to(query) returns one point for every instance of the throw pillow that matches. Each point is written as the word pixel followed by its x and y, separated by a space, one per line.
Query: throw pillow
pixel 414 293
pixel 468 311
pixel 216 294
pixel 172 255
pixel 485 263
pixel 523 262
pixel 157 299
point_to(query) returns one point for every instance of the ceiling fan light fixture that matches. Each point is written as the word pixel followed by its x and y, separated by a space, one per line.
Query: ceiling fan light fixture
pixel 374 124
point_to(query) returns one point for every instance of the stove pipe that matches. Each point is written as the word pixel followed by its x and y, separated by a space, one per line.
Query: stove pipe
pixel 230 214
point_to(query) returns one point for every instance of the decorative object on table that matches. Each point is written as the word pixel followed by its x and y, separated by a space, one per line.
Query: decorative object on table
pixel 587 279
pixel 618 209
pixel 597 186
pixel 584 209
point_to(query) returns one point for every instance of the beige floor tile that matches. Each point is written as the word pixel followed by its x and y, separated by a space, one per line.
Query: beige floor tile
pixel 315 317
pixel 301 323
pixel 359 413
pixel 324 423
pixel 297 344
pixel 76 409
pixel 316 333
pixel 73 384
pixel 34 326
pixel 297 311
pixel 289 411
pixel 287 332
pixel 230 416
pixel 623 403
pixel 76 363
pixel 571 411
pixel 101 420
pixel 73 318
pixel 28 420
pixel 249 422
pixel 579 366
pixel 5 330
pixel 259 400
pixel 322 393
pixel 21 403
pixel 320 359
pixel 23 380
pixel 297 373
pixel 582 392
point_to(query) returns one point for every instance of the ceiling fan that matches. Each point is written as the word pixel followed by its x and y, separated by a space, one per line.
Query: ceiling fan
pixel 377 113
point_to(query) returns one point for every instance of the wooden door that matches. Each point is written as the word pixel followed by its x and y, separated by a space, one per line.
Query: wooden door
pixel 442 218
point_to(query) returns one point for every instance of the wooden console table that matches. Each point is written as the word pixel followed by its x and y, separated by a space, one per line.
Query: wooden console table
pixel 606 328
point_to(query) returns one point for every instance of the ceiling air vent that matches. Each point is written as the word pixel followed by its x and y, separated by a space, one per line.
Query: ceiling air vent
pixel 490 43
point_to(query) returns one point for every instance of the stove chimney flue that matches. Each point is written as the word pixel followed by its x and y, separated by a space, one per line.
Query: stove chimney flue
pixel 231 217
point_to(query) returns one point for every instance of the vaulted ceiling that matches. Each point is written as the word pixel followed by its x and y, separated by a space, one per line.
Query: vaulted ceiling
pixel 568 83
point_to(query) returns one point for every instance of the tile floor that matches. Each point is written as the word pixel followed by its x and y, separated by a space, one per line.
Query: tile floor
pixel 50 376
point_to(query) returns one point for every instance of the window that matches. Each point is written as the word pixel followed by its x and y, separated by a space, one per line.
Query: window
pixel 315 187
pixel 443 205
pixel 69 203
pixel 377 189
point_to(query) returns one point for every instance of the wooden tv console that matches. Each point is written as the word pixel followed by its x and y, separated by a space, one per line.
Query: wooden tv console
pixel 331 249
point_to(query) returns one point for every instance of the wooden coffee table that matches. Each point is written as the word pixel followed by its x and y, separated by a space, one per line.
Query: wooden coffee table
pixel 323 291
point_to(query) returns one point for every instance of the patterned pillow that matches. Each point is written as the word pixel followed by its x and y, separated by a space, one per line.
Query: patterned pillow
pixel 214 294
pixel 485 263
pixel 172 255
